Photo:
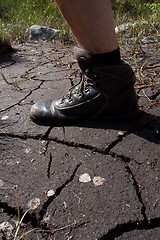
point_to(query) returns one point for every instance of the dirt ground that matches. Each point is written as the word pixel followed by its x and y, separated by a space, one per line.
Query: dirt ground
pixel 95 180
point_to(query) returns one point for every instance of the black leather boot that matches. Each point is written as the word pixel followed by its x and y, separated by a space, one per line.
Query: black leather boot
pixel 102 92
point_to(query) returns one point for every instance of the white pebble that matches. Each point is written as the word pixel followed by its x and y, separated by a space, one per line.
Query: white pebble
pixel 98 181
pixel 50 193
pixel 85 178
pixel 5 117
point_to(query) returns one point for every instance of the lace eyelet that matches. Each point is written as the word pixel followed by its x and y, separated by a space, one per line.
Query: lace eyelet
pixel 79 95
pixel 70 100
pixel 87 90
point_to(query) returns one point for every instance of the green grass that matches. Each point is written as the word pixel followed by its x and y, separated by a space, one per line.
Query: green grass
pixel 145 14
pixel 17 16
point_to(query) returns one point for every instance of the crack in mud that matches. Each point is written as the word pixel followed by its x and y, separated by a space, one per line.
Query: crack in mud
pixel 7 65
pixel 12 211
pixel 25 75
pixel 24 98
pixel 130 226
pixel 112 234
pixel 49 165
pixel 46 135
pixel 35 219
pixel 121 157
pixel 115 142
pixel 106 151
pixel 57 192
pixel 138 193
pixel 32 220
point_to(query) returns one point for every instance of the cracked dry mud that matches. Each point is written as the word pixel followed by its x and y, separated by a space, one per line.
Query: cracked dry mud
pixel 48 163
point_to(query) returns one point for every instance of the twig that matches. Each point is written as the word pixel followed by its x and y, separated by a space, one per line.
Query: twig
pixel 50 231
pixel 4 78
pixel 9 83
pixel 146 96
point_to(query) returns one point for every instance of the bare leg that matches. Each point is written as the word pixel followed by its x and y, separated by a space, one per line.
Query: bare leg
pixel 106 87
pixel 91 22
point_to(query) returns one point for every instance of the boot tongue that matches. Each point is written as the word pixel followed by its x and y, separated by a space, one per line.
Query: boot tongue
pixel 83 57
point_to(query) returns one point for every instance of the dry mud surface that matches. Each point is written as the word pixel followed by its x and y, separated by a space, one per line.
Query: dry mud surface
pixel 96 180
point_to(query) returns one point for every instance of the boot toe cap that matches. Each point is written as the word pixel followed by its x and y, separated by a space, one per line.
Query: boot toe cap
pixel 41 111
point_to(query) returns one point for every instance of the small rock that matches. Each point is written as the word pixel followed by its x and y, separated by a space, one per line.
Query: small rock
pixel 98 181
pixel 120 133
pixel 50 193
pixel 5 117
pixel 85 178
pixel 38 32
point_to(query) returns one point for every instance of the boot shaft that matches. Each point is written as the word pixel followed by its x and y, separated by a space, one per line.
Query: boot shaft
pixel 115 82
pixel 105 76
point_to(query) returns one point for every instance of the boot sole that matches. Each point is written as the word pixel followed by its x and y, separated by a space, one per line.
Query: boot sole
pixel 76 120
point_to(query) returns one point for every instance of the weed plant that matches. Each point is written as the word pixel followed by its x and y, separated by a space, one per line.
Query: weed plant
pixel 17 16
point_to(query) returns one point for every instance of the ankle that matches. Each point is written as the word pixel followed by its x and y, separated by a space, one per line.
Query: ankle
pixel 108 58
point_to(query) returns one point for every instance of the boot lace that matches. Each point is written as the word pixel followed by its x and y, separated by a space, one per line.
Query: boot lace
pixel 83 85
